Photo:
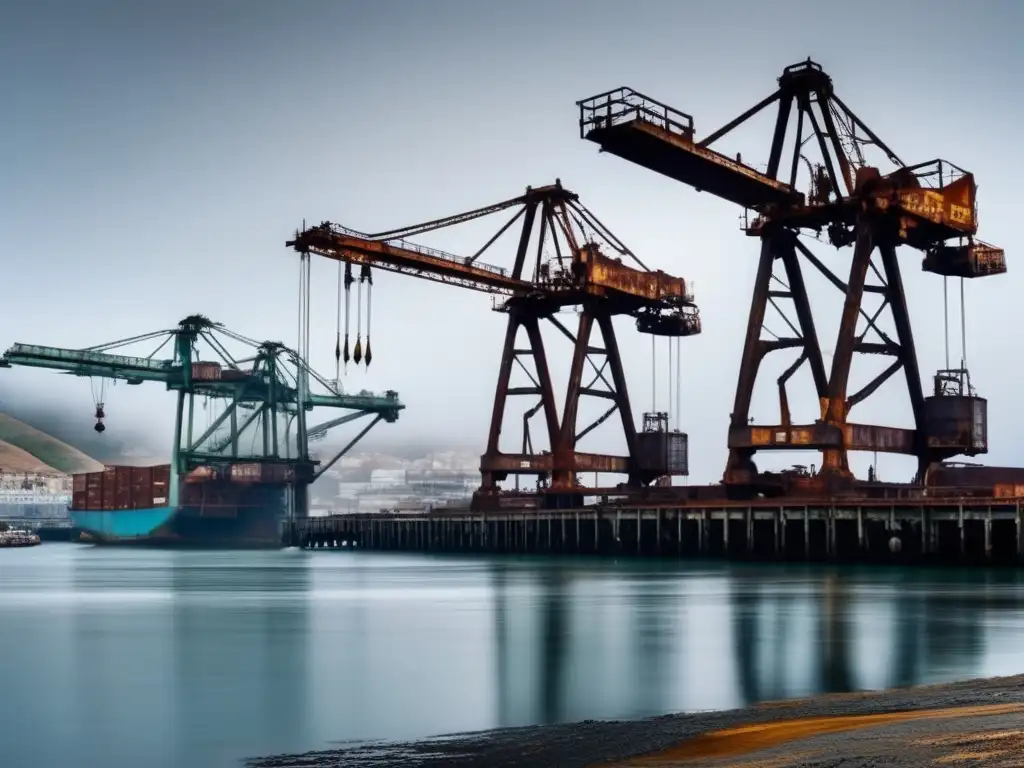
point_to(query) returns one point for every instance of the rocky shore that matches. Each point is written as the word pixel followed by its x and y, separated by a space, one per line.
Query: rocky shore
pixel 977 722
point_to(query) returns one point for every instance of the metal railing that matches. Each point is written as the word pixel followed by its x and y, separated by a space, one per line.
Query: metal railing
pixel 936 174
pixel 624 105
pixel 423 249
pixel 81 356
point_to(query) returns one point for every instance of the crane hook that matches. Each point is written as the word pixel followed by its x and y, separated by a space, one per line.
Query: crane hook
pixel 368 276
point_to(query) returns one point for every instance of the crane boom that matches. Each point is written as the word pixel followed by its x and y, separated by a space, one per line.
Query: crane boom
pixel 578 270
pixel 205 377
pixel 88 363
pixel 337 242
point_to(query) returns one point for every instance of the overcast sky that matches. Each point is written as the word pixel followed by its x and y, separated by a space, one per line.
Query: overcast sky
pixel 157 156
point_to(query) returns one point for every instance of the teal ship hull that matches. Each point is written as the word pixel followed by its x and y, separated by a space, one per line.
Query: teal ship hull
pixel 204 514
pixel 181 527
pixel 122 524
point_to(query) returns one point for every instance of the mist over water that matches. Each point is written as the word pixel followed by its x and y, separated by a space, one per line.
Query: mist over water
pixel 162 658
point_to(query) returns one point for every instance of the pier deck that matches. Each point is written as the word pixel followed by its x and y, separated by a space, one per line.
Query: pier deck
pixel 968 531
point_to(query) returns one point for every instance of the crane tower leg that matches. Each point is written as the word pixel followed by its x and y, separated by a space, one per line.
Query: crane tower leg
pixel 832 433
pixel 564 475
pixel 907 353
pixel 834 460
pixel 780 246
pixel 621 393
pixel 604 379
pixel 493 470
pixel 740 468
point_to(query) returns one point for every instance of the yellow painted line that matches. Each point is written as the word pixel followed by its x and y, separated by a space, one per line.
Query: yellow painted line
pixel 731 742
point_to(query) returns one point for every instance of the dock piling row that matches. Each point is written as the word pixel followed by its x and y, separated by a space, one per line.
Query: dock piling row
pixel 966 532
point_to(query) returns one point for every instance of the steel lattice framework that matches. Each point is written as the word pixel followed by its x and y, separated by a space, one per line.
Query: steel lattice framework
pixel 564 257
pixel 262 395
pixel 929 207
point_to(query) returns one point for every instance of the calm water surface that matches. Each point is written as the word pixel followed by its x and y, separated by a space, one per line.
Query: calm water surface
pixel 127 658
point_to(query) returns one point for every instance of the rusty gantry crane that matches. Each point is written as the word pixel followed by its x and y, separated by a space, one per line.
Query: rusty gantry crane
pixel 571 264
pixel 929 207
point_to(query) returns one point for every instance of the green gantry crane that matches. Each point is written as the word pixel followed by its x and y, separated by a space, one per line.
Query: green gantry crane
pixel 257 400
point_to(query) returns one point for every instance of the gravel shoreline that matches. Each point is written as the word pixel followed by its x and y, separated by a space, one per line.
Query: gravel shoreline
pixel 592 743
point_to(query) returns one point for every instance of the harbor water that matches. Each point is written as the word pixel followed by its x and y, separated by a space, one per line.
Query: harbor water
pixel 120 657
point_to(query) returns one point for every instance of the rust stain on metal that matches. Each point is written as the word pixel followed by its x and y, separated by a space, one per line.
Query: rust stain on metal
pixel 799 436
pixel 1008 491
pixel 923 206
pixel 545 462
pixel 952 205
pixel 870 437
pixel 570 269
pixel 612 274
pixel 975 259
pixel 714 157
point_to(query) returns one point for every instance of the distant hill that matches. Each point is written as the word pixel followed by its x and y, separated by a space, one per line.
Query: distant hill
pixel 126 441
pixel 20 443
pixel 16 460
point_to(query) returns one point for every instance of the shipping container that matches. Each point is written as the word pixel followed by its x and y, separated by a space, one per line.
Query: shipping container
pixel 972 260
pixel 277 473
pixel 142 487
pixel 957 422
pixel 262 472
pixel 109 486
pixel 945 476
pixel 250 473
pixel 206 371
pixel 161 485
pixel 94 490
pixel 121 488
pixel 663 453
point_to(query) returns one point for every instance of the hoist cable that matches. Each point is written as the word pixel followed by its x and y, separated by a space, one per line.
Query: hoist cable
pixel 337 329
pixel 654 376
pixel 963 326
pixel 679 380
pixel 670 371
pixel 945 315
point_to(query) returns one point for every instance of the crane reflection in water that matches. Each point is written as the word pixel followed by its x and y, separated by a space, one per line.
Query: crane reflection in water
pixel 163 658
pixel 574 642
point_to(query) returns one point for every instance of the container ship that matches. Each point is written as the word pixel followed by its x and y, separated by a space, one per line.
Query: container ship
pixel 242 506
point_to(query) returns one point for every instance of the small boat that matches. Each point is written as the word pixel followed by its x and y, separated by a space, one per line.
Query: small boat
pixel 16 538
